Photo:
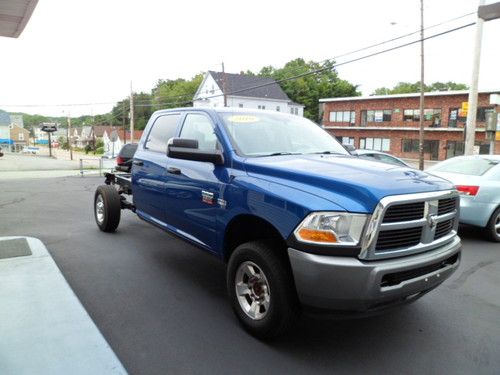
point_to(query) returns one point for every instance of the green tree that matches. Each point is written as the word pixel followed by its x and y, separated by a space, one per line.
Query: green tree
pixel 408 87
pixel 175 93
pixel 307 90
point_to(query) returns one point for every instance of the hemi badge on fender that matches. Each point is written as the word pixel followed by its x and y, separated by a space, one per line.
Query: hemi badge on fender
pixel 222 203
pixel 207 197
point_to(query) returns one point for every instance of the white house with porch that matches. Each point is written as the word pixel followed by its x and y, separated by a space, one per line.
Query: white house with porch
pixel 244 91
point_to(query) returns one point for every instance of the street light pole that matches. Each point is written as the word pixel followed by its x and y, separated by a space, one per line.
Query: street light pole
pixel 422 89
pixel 470 134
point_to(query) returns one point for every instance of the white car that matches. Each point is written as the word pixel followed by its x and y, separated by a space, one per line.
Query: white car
pixel 30 150
pixel 477 178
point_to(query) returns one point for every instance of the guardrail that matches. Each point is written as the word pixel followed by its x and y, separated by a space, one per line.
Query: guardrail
pixel 91 168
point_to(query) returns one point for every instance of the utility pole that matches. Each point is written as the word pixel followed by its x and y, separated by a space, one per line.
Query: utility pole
pixel 470 134
pixel 224 84
pixel 131 114
pixel 421 109
pixel 123 124
pixel 69 138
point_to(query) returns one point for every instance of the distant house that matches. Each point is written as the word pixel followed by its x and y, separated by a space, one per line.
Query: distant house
pixel 241 91
pixel 113 137
pixel 5 129
pixel 20 137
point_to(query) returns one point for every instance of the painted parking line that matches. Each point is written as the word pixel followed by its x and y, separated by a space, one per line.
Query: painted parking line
pixel 44 329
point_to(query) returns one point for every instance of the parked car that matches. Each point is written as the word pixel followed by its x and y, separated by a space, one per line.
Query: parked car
pixel 30 150
pixel 1 153
pixel 477 178
pixel 382 157
pixel 125 156
pixel 300 222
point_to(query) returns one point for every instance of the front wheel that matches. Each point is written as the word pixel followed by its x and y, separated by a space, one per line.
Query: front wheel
pixel 493 227
pixel 261 289
pixel 107 208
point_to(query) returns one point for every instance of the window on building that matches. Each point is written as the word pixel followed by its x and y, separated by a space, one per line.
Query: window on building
pixel 291 110
pixel 341 116
pixel 482 111
pixel 378 144
pixel 296 111
pixel 411 115
pixel 410 145
pixel 240 105
pixel 163 129
pixel 347 141
pixel 278 108
pixel 261 107
pixel 379 115
pixel 21 136
pixel 433 115
pixel 456 116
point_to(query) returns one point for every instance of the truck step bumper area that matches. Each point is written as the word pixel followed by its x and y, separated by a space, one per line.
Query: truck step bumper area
pixel 345 284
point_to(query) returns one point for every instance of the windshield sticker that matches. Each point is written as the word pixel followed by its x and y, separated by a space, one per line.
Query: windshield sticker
pixel 243 119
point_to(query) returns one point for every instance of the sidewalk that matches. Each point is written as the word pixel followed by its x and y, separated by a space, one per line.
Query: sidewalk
pixel 44 328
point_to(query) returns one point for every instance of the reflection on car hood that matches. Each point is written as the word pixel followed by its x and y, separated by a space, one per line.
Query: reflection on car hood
pixel 345 178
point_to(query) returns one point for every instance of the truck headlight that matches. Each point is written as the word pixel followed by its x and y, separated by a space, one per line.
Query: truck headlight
pixel 331 228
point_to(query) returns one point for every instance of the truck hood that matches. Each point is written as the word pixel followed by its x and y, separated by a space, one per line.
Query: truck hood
pixel 355 184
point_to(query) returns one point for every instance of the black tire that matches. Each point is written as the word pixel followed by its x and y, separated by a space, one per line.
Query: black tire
pixel 491 231
pixel 283 309
pixel 111 208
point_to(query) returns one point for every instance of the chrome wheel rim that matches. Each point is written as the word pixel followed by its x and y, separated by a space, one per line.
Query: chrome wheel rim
pixel 252 290
pixel 99 209
pixel 497 225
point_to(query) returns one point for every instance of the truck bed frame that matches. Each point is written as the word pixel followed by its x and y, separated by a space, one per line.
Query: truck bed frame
pixel 124 183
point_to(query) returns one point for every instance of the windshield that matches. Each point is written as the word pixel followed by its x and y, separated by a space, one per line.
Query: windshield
pixel 471 167
pixel 265 134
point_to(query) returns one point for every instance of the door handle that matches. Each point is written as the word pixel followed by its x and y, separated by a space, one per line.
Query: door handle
pixel 173 170
pixel 138 162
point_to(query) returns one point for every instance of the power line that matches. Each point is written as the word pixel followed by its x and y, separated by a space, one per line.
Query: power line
pixel 362 48
pixel 316 71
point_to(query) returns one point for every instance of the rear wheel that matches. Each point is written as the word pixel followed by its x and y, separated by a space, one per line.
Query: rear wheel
pixel 493 227
pixel 260 286
pixel 107 208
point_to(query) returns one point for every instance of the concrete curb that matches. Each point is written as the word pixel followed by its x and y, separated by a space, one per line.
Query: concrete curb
pixel 44 327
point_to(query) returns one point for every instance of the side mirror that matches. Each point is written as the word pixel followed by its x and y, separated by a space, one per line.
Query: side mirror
pixel 187 149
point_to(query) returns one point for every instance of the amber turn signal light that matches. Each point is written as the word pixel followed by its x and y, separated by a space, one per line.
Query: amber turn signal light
pixel 317 235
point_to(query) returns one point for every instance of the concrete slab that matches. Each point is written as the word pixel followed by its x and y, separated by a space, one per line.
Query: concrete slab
pixel 44 329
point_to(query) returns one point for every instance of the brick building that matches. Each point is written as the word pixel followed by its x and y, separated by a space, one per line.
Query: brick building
pixel 390 123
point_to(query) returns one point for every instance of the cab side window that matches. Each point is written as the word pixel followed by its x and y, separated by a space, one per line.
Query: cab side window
pixel 163 129
pixel 199 127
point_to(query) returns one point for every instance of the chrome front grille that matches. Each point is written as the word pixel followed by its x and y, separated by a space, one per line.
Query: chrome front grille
pixel 404 212
pixel 412 223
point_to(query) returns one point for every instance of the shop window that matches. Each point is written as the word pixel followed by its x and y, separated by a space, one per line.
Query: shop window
pixel 347 141
pixel 378 144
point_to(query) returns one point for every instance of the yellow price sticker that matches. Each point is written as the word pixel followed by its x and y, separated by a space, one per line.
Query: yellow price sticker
pixel 243 119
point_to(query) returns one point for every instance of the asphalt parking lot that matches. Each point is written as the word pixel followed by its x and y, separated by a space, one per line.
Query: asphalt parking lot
pixel 161 303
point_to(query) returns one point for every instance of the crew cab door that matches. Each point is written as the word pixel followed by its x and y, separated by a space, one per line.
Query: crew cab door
pixel 194 188
pixel 149 168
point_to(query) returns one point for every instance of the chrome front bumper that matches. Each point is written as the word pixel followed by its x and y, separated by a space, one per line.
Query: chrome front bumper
pixel 349 284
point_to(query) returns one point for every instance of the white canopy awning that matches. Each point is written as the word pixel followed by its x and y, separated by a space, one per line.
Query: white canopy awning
pixel 14 15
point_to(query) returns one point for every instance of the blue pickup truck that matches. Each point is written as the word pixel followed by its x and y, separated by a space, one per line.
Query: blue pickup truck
pixel 301 224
